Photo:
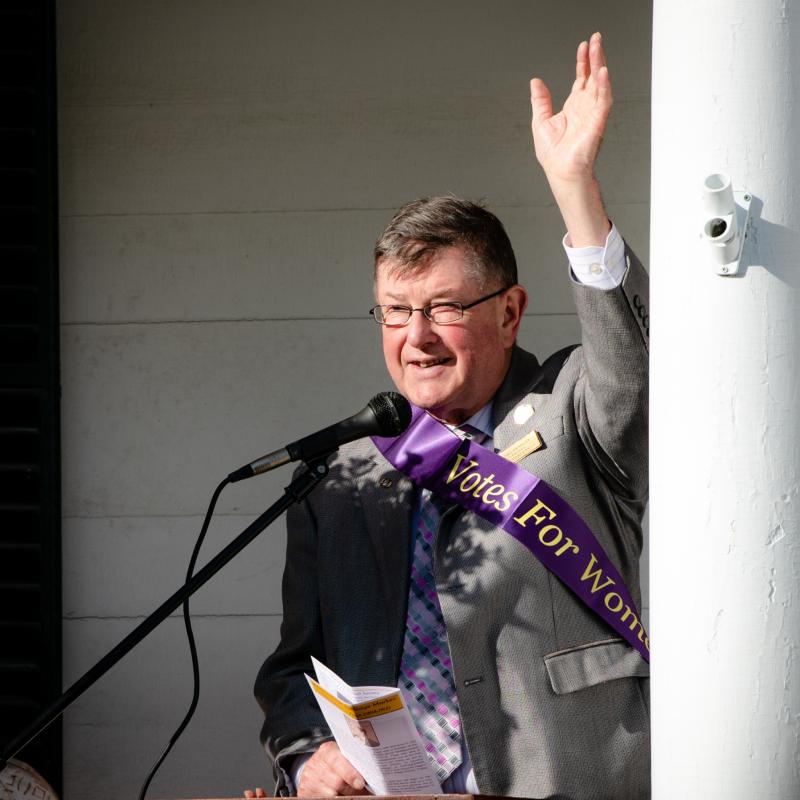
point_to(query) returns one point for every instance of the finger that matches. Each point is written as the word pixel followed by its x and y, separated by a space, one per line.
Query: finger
pixel 318 781
pixel 541 101
pixel 346 772
pixel 316 789
pixel 315 775
pixel 597 55
pixel 582 62
pixel 338 766
pixel 604 87
pixel 248 793
pixel 323 784
pixel 260 793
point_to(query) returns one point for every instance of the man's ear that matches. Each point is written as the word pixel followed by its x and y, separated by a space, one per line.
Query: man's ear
pixel 516 301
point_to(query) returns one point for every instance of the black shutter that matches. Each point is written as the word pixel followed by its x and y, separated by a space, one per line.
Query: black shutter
pixel 30 492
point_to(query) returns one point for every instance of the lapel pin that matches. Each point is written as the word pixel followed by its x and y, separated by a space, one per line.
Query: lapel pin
pixel 523 413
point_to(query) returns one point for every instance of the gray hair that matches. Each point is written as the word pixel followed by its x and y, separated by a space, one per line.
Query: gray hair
pixel 421 228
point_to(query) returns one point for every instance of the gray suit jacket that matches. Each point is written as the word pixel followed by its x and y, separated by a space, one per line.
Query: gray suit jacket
pixel 553 703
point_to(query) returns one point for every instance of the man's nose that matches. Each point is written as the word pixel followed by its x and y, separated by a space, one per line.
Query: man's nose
pixel 420 330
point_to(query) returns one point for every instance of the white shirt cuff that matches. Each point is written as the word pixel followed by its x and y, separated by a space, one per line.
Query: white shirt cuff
pixel 297 767
pixel 599 267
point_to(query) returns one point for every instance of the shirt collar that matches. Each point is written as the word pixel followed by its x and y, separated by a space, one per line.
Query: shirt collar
pixel 482 420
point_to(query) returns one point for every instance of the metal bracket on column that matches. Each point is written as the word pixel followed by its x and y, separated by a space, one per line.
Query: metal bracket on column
pixel 725 226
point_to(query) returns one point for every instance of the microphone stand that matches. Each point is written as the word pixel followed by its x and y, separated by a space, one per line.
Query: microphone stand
pixel 297 490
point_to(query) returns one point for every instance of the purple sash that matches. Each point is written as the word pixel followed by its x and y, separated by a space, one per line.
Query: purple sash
pixel 522 505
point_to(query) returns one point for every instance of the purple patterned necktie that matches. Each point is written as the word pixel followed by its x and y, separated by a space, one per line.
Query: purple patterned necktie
pixel 426 671
pixel 426 677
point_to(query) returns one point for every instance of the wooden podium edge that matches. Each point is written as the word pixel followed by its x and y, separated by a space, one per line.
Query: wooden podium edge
pixel 387 796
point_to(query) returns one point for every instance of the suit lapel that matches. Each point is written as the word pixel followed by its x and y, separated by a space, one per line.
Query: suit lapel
pixel 523 375
pixel 387 496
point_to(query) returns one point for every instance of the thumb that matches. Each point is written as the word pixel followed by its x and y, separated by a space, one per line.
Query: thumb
pixel 541 102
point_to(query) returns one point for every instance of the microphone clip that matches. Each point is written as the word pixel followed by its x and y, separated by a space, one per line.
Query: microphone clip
pixel 316 472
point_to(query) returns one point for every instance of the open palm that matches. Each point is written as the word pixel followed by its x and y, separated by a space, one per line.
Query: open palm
pixel 567 143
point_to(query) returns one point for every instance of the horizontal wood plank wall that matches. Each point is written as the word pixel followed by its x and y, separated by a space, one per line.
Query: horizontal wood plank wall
pixel 225 169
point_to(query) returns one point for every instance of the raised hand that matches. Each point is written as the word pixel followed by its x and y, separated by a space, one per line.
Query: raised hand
pixel 567 142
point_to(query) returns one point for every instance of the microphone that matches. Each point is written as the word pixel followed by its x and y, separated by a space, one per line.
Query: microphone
pixel 387 414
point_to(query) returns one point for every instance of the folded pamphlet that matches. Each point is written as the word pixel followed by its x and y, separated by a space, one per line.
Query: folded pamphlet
pixel 375 733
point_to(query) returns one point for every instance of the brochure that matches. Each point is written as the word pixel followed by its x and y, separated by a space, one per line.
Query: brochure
pixel 375 733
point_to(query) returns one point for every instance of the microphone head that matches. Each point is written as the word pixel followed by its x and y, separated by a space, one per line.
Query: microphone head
pixel 392 413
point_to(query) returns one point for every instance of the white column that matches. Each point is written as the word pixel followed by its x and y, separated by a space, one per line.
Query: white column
pixel 725 406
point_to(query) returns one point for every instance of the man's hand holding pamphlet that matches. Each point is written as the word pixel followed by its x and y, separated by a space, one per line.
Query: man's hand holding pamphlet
pixel 375 733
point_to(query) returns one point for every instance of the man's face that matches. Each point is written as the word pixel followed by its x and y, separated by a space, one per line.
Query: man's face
pixel 451 370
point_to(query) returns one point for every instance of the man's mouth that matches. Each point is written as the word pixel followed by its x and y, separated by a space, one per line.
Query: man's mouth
pixel 430 362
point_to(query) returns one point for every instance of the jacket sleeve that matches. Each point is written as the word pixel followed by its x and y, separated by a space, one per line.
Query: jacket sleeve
pixel 293 723
pixel 611 401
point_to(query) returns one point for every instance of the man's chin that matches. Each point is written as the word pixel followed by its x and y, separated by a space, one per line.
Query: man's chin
pixel 429 401
pixel 442 410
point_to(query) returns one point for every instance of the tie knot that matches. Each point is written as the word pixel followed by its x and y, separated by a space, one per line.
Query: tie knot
pixel 472 433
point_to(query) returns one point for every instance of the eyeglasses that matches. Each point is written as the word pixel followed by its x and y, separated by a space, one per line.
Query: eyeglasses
pixel 440 313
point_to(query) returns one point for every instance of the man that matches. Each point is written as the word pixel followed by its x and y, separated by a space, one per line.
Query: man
pixel 547 700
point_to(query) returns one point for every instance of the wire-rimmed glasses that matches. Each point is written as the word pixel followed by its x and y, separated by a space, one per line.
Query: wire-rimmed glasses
pixel 444 313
